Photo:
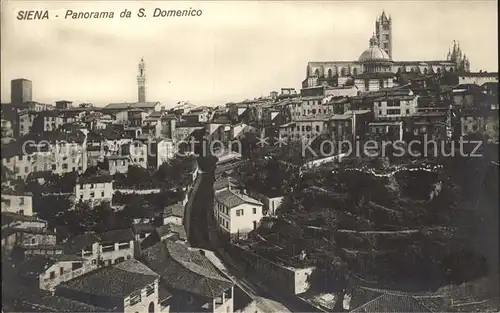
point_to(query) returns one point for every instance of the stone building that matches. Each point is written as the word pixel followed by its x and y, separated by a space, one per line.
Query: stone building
pixel 338 73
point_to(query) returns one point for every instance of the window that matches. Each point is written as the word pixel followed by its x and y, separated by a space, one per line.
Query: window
pixel 381 83
pixel 61 271
pixel 239 212
pixel 119 260
pixel 53 167
pixel 367 84
pixel 92 194
pixel 21 212
pixel 407 111
pixel 76 265
pixel 102 194
pixel 393 111
pixel 124 246
pixel 21 201
pixel 317 128
pixel 33 241
pixel 254 210
pixel 52 275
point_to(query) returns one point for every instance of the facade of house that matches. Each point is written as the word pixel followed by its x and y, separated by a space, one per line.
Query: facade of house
pixel 47 272
pixel 195 284
pixel 173 214
pixel 237 214
pixel 18 203
pixel 126 287
pixel 107 248
pixel 94 189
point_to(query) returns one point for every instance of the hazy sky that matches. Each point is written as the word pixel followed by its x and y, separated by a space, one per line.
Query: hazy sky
pixel 235 50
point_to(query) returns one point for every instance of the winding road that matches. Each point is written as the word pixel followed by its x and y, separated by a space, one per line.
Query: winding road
pixel 203 235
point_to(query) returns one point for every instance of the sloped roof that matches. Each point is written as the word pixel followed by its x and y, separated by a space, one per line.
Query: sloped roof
pixel 172 228
pixel 176 209
pixel 80 242
pixel 392 303
pixel 232 199
pixel 224 182
pixel 31 301
pixel 116 281
pixel 125 105
pixel 37 264
pixel 186 270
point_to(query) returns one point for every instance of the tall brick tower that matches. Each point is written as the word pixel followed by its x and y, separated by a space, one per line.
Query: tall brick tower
pixel 383 31
pixel 141 82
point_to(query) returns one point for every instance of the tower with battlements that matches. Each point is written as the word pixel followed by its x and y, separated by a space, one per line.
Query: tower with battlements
pixel 141 82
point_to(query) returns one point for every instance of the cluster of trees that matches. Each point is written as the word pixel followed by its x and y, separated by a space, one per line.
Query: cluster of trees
pixel 268 176
pixel 176 173
pixel 388 229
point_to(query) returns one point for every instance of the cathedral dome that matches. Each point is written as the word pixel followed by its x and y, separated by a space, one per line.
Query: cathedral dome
pixel 374 53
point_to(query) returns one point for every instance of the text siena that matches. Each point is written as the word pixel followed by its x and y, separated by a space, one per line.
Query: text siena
pixel 33 15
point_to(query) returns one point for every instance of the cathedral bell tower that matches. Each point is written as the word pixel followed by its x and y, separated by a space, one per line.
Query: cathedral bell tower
pixel 141 82
pixel 383 31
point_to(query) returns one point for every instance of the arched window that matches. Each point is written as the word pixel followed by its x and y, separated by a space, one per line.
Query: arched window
pixel 355 71
pixel 316 72
pixel 33 241
pixel 151 308
pixel 342 72
pixel 451 69
pixel 412 70
pixel 425 70
pixel 330 73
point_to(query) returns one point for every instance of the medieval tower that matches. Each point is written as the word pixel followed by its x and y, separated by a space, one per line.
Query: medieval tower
pixel 141 82
pixel 383 32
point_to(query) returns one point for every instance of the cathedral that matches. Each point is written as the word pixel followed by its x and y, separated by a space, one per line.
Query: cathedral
pixel 375 68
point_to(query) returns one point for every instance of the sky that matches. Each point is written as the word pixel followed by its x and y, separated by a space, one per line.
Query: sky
pixel 233 51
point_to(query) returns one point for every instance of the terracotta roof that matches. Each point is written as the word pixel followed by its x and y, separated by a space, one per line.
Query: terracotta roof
pixel 392 303
pixel 101 177
pixel 9 217
pixel 37 264
pixel 186 270
pixel 80 242
pixel 37 301
pixel 224 182
pixel 176 209
pixel 143 228
pixel 116 281
pixel 232 199
pixel 172 228
pixel 479 74
pixel 137 105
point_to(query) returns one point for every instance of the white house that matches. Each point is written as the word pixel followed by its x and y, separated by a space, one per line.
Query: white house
pixel 237 214
pixel 107 248
pixel 173 214
pixel 94 189
pixel 17 203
